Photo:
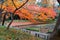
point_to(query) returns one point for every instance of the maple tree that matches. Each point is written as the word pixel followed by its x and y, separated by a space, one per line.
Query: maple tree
pixel 10 4
pixel 42 13
pixel 26 13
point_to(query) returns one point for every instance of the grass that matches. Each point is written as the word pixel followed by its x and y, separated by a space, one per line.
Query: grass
pixel 33 29
pixel 18 20
pixel 13 34
pixel 37 29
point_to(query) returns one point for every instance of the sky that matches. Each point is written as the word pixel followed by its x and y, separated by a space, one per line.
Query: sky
pixel 55 2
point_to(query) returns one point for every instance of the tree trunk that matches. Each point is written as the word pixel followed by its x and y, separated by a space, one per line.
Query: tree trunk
pixel 55 35
pixel 4 17
pixel 11 21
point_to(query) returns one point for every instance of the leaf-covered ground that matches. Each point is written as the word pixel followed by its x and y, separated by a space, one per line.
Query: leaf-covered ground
pixel 13 34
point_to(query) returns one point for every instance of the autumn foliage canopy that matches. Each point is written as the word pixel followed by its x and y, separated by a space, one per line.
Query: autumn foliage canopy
pixel 32 12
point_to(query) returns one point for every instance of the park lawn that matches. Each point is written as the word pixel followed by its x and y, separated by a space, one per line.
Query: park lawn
pixel 37 29
pixel 14 34
pixel 18 21
pixel 33 29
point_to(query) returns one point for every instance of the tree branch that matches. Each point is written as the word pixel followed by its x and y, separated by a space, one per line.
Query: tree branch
pixel 15 11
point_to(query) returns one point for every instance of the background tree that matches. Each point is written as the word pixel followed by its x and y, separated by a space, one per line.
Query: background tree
pixel 2 12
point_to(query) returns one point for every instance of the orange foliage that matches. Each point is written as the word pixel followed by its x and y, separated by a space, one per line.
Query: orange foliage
pixel 26 14
pixel 43 13
pixel 10 9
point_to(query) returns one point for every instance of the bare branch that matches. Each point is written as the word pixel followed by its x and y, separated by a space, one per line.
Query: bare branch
pixel 14 3
pixel 20 6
